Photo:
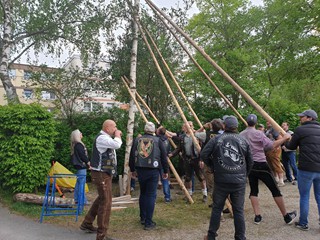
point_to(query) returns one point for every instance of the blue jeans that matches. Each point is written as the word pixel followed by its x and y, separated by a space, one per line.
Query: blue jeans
pixel 289 160
pixel 148 180
pixel 81 181
pixel 166 187
pixel 305 180
pixel 220 194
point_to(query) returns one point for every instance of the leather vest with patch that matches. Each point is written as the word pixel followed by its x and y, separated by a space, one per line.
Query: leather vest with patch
pixel 147 153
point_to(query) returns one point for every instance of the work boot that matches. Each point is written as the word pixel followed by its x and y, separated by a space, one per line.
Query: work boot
pixel 89 228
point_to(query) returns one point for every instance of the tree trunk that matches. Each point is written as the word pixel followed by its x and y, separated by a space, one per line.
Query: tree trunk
pixel 5 47
pixel 130 125
pixel 36 199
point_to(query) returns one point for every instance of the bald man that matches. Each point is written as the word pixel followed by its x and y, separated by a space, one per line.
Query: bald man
pixel 103 167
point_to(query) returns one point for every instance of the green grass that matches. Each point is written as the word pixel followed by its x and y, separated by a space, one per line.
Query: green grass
pixel 27 209
pixel 176 215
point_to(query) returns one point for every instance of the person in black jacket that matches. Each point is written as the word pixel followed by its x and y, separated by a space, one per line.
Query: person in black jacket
pixel 230 158
pixel 147 157
pixel 80 161
pixel 307 138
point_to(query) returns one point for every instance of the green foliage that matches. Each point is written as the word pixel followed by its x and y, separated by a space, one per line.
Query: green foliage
pixel 149 83
pixel 27 134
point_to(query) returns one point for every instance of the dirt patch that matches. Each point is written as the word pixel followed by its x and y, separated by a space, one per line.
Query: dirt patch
pixel 272 227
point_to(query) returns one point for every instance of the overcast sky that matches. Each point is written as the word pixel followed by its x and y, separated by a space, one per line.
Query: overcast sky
pixel 55 62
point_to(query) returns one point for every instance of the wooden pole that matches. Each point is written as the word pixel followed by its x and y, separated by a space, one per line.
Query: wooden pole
pixel 172 76
pixel 202 71
pixel 220 70
pixel 168 159
pixel 195 142
pixel 151 113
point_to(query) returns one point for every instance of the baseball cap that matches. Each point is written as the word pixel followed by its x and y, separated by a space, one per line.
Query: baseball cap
pixel 309 113
pixel 230 121
pixel 252 119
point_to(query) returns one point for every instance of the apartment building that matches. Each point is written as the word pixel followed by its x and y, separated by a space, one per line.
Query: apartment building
pixel 20 74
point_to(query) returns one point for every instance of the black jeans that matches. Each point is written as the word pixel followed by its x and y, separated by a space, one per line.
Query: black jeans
pixel 220 194
pixel 148 181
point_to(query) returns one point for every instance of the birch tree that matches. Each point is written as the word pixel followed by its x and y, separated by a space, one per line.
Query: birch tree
pixel 133 76
pixel 52 26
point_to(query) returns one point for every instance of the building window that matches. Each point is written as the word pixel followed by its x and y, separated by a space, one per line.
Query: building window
pixel 109 105
pixel 28 94
pixel 12 73
pixel 87 107
pixel 27 75
pixel 91 106
pixel 47 95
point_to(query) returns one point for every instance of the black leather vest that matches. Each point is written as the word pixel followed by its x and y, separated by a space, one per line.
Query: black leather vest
pixel 107 159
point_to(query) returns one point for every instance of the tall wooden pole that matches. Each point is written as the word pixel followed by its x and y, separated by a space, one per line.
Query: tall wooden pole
pixel 172 77
pixel 220 70
pixel 195 142
pixel 168 159
pixel 201 70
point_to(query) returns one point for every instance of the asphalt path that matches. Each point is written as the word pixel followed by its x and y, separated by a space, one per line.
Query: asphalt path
pixel 15 227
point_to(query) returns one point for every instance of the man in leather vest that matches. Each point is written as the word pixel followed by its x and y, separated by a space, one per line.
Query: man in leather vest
pixel 230 158
pixel 147 157
pixel 103 166
pixel 191 157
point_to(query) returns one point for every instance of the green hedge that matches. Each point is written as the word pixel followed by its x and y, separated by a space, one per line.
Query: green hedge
pixel 27 135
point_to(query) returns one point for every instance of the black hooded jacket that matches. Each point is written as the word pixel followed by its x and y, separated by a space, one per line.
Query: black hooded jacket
pixel 307 137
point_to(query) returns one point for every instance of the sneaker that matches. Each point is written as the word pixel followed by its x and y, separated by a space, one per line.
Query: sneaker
pixel 257 219
pixel 88 228
pixel 302 227
pixel 290 217
pixel 143 221
pixel 167 200
pixel 281 184
pixel 150 227
pixel 294 182
pixel 205 198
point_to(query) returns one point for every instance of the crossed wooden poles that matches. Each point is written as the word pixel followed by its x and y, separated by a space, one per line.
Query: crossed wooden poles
pixel 173 170
pixel 159 12
pixel 163 16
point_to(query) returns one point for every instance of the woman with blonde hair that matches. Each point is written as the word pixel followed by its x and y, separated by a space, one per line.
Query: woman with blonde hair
pixel 80 161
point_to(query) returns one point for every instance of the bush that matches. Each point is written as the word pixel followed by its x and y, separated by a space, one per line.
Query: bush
pixel 27 135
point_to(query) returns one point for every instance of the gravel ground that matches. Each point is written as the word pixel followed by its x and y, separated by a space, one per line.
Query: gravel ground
pixel 272 227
